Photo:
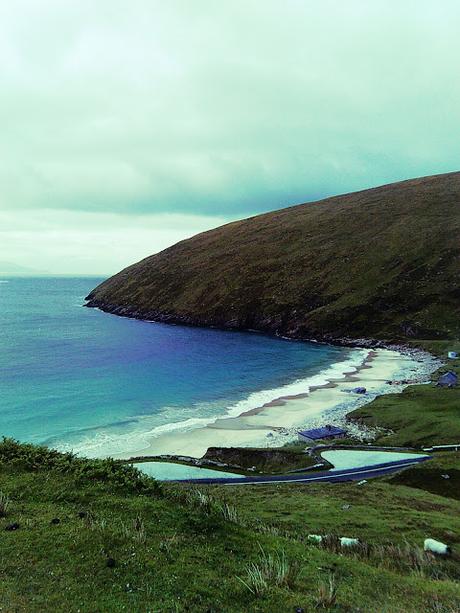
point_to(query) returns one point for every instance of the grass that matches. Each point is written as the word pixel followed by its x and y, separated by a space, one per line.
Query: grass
pixel 266 460
pixel 272 569
pixel 98 535
pixel 124 543
pixel 5 504
pixel 327 593
pixel 380 512
pixel 439 476
pixel 421 415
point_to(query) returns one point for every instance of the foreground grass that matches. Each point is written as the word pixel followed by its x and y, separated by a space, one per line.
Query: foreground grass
pixel 97 536
pixel 380 511
pixel 439 476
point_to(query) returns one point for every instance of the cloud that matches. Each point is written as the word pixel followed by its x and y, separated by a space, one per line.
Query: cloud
pixel 221 108
pixel 76 242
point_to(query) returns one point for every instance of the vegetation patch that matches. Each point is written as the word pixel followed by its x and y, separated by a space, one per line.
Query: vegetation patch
pixel 380 263
pixel 441 476
pixel 421 415
pixel 267 460
pixel 96 544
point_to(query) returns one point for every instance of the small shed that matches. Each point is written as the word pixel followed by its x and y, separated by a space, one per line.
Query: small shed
pixel 448 379
pixel 325 432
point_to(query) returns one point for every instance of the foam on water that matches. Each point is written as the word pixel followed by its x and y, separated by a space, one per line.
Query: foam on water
pixel 103 443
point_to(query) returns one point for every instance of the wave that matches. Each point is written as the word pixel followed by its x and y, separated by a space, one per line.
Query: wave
pixel 337 370
pixel 103 442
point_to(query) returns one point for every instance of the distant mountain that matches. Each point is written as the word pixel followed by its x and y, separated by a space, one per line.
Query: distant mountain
pixel 9 268
pixel 380 263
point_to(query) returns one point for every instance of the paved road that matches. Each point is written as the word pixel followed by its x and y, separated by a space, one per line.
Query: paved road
pixel 332 476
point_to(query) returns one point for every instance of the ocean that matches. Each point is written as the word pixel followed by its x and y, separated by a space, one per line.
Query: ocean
pixel 78 379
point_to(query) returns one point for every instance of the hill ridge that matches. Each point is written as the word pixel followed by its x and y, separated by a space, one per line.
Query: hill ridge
pixel 381 263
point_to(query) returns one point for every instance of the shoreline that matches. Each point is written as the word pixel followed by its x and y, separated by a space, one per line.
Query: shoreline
pixel 282 400
pixel 276 422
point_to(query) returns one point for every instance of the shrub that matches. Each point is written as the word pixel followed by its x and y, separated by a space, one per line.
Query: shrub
pixel 108 471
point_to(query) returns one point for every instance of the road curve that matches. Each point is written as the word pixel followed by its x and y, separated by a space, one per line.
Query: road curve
pixel 332 476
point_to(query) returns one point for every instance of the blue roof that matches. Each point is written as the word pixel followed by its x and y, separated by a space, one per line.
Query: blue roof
pixel 448 377
pixel 323 432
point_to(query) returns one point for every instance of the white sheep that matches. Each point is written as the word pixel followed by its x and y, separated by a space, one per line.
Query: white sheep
pixel 348 542
pixel 316 538
pixel 440 549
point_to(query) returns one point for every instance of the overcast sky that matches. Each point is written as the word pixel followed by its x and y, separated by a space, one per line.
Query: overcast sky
pixel 129 125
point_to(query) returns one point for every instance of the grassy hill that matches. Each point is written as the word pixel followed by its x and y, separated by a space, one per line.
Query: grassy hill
pixel 96 536
pixel 381 263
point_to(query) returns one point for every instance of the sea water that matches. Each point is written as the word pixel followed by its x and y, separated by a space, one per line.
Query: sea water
pixel 167 471
pixel 78 379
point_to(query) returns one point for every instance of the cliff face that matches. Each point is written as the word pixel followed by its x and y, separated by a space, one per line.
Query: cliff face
pixel 380 263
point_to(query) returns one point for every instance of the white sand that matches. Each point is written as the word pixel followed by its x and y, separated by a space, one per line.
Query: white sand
pixel 261 427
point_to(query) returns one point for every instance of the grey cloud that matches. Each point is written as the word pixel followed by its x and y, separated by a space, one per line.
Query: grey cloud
pixel 221 108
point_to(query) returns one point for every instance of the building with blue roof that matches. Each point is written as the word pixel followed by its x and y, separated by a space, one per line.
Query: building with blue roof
pixel 325 432
pixel 448 379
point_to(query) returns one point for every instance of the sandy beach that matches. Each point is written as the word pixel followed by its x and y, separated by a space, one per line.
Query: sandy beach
pixel 276 421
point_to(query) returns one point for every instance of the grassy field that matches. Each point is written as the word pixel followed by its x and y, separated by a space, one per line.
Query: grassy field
pixel 379 511
pixel 421 414
pixel 97 536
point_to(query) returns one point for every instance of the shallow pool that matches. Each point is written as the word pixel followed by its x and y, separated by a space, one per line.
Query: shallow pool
pixel 343 459
pixel 167 471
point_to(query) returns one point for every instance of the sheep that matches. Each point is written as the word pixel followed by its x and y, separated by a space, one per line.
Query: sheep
pixel 348 542
pixel 440 549
pixel 316 538
pixel 344 540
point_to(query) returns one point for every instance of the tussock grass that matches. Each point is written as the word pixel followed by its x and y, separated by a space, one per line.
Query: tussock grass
pixel 170 544
pixel 135 530
pixel 5 504
pixel 139 530
pixel 327 593
pixel 229 513
pixel 213 506
pixel 272 569
pixel 437 606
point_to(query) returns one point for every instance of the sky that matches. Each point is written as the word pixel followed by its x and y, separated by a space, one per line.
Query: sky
pixel 127 125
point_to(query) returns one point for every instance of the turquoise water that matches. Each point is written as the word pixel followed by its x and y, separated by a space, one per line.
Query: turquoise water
pixel 167 471
pixel 77 378
pixel 342 459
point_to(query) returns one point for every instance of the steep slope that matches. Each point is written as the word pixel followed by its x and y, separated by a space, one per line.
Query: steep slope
pixel 381 263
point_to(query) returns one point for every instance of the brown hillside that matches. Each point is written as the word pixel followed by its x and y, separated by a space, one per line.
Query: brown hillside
pixel 380 263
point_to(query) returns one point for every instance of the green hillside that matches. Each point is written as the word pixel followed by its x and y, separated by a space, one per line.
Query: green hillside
pixel 381 263
pixel 96 536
